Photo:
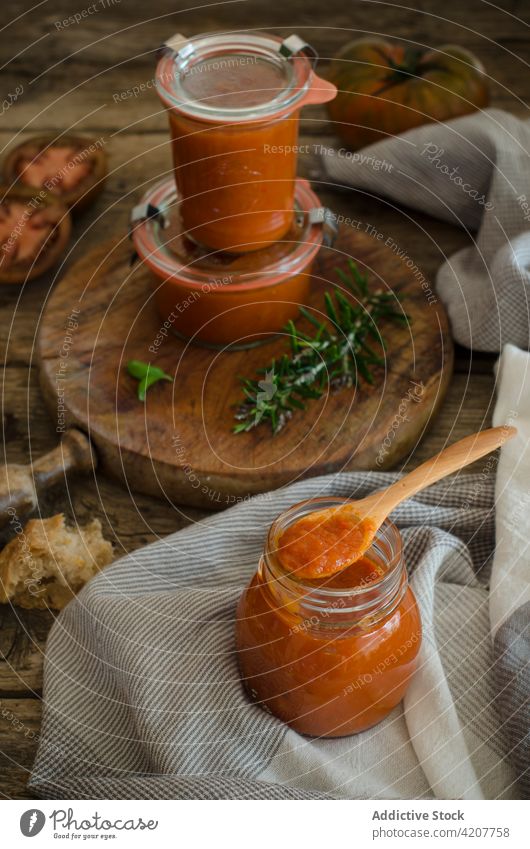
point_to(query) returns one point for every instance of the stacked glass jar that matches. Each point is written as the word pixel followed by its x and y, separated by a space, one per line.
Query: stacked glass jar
pixel 231 239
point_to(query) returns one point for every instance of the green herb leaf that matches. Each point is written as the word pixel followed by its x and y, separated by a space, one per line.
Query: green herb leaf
pixel 137 368
pixel 147 375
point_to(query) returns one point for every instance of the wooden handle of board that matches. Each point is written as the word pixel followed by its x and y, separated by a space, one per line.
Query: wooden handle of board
pixel 20 485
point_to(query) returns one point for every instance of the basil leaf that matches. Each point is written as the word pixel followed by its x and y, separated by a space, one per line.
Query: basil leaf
pixel 137 368
pixel 147 375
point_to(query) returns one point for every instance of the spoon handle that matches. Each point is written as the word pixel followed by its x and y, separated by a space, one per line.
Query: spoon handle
pixel 451 459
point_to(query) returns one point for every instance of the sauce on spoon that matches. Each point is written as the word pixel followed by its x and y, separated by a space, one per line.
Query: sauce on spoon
pixel 317 547
pixel 327 541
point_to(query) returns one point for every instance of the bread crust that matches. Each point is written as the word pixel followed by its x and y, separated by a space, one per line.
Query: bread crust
pixel 47 563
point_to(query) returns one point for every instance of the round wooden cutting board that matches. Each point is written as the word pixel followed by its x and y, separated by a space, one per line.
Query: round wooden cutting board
pixel 180 444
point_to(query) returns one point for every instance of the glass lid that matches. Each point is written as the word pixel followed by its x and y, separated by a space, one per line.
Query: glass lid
pixel 234 76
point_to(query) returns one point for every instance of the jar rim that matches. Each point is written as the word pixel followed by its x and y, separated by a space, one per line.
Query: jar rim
pixel 382 585
pixel 150 247
pixel 173 66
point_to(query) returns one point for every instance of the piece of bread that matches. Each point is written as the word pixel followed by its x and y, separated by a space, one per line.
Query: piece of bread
pixel 47 563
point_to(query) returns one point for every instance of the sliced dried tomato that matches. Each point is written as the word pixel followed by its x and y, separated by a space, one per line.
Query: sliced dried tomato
pixel 34 231
pixel 72 168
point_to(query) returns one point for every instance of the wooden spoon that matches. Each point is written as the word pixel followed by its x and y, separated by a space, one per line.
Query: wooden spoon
pixel 327 541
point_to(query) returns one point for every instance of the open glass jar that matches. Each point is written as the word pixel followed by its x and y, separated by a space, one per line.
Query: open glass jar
pixel 330 657
pixel 233 102
pixel 220 299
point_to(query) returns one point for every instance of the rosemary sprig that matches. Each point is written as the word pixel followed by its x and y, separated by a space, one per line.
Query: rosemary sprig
pixel 338 353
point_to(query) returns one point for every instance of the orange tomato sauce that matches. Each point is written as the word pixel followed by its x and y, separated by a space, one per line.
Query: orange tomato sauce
pixel 223 313
pixel 236 180
pixel 314 547
pixel 324 679
pixel 361 573
pixel 230 317
pixel 217 298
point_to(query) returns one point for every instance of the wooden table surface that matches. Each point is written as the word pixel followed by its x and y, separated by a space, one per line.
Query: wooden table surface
pixel 76 76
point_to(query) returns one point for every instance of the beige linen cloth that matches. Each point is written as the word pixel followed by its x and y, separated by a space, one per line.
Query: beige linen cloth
pixel 475 173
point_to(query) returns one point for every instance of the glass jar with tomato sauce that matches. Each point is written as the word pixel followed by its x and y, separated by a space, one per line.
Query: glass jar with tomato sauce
pixel 334 656
pixel 218 299
pixel 233 102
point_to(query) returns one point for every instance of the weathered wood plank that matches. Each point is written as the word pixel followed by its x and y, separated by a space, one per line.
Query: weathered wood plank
pixel 23 636
pixel 13 783
pixel 75 69
pixel 128 520
pixel 19 737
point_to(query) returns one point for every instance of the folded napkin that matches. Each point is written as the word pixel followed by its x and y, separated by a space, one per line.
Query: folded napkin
pixel 473 172
pixel 510 580
pixel 142 697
